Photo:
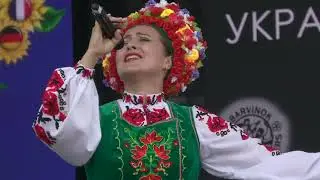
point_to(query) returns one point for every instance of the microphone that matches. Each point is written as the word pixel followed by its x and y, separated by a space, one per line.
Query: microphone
pixel 105 23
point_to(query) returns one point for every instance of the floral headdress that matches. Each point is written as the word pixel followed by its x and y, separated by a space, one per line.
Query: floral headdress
pixel 187 42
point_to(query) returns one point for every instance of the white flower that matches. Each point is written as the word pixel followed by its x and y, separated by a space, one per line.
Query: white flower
pixel 163 3
pixel 184 88
pixel 174 79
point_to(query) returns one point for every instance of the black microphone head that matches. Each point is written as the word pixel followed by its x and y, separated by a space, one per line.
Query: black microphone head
pixel 95 6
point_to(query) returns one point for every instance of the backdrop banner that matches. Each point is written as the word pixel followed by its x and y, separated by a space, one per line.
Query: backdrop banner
pixel 262 71
pixel 35 38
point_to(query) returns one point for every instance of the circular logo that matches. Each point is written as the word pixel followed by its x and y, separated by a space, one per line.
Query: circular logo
pixel 260 119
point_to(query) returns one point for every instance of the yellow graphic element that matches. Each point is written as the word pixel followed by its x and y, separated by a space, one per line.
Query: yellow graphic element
pixel 31 22
pixel 17 19
pixel 13 43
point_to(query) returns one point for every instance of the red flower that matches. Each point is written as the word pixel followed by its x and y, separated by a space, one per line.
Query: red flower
pixel 166 26
pixel 160 23
pixel 139 152
pixel 50 103
pixel 151 138
pixel 161 165
pixel 151 177
pixel 177 46
pixel 191 18
pixel 165 164
pixel 62 116
pixel 188 33
pixel 217 124
pixel 156 115
pixel 139 164
pixel 244 135
pixel 202 109
pixel 127 98
pixel 174 18
pixel 136 164
pixel 42 135
pixel 172 35
pixel 190 41
pixel 155 11
pixel 140 100
pixel 161 152
pixel 173 7
pixel 86 73
pixel 134 116
pixel 55 81
pixel 270 148
pixel 159 98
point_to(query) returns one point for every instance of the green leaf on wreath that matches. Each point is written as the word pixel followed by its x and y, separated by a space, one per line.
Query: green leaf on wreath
pixel 50 19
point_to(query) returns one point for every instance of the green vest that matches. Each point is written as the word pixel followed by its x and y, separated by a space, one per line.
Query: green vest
pixel 165 150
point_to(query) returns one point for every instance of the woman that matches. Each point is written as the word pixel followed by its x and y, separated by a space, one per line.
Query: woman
pixel 142 135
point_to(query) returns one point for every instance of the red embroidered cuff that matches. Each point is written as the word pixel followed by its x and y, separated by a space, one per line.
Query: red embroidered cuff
pixel 85 72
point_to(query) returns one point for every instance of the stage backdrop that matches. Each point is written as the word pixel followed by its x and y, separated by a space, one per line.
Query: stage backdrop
pixel 35 38
pixel 262 71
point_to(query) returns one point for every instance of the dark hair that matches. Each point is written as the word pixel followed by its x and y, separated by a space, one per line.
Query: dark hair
pixel 165 40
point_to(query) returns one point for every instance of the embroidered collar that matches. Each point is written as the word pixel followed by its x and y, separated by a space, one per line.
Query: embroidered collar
pixel 150 99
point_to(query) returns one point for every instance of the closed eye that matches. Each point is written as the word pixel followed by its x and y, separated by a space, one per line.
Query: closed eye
pixel 144 39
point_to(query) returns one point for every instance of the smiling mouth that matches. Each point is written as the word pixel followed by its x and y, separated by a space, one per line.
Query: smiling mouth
pixel 132 57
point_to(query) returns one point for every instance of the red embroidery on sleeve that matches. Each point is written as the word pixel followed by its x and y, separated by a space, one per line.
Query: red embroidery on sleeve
pixel 218 126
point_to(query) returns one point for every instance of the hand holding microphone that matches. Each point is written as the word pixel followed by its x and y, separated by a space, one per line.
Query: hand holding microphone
pixel 106 25
pixel 105 36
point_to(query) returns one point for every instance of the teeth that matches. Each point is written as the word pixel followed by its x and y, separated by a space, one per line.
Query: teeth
pixel 132 57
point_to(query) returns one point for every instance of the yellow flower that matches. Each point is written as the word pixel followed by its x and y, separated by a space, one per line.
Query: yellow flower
pixel 166 13
pixel 192 56
pixel 181 30
pixel 105 63
pixel 134 15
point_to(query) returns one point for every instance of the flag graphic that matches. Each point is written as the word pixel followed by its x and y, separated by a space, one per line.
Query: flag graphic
pixel 10 38
pixel 20 9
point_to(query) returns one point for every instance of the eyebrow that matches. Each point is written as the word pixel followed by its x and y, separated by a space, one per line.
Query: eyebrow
pixel 138 33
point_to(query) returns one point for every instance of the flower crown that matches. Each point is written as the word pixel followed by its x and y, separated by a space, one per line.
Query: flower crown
pixel 187 42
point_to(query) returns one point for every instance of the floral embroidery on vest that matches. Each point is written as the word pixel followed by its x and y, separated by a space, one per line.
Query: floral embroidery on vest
pixel 141 110
pixel 150 153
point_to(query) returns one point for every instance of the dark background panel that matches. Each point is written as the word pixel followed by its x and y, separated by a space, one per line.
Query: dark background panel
pixel 284 71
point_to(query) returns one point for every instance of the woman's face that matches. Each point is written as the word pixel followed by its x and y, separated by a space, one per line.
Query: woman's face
pixel 143 53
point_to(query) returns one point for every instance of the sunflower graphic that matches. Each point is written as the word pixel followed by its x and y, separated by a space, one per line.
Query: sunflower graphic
pixel 19 18
pixel 13 43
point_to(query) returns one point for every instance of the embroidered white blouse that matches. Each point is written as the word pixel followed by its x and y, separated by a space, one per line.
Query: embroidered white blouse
pixel 68 122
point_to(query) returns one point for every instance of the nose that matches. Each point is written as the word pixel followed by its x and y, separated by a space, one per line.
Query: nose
pixel 131 46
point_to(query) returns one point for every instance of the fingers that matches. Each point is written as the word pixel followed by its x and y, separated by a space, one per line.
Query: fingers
pixel 116 19
pixel 96 28
pixel 117 35
pixel 116 39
